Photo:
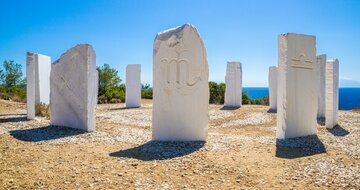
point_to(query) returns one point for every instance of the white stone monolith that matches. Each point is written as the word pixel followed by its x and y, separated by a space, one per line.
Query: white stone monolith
pixel 37 82
pixel 297 86
pixel 332 93
pixel 133 86
pixel 273 88
pixel 180 84
pixel 74 89
pixel 321 60
pixel 233 80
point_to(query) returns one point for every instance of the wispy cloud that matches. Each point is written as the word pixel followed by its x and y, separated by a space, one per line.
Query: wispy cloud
pixel 346 78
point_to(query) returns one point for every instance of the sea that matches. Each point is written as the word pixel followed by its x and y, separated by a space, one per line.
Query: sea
pixel 349 98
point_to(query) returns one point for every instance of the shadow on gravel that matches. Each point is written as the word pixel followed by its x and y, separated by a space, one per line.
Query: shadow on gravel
pixel 44 133
pixel 229 108
pixel 157 150
pixel 10 114
pixel 299 147
pixel 122 108
pixel 338 131
pixel 13 119
pixel 321 121
pixel 272 111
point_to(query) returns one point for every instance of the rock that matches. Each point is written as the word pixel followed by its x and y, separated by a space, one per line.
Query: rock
pixel 297 86
pixel 181 90
pixel 38 81
pixel 74 89
pixel 321 60
pixel 133 86
pixel 273 88
pixel 332 93
pixel 233 80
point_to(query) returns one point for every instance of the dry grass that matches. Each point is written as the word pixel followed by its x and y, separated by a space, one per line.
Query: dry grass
pixel 356 110
pixel 42 110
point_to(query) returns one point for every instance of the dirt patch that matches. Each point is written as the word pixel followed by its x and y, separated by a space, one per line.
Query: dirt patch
pixel 241 152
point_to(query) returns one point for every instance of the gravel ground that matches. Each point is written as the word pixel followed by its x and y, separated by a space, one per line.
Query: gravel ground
pixel 241 152
pixel 255 118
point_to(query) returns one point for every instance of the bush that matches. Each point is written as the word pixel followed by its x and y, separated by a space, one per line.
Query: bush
pixel 246 100
pixel 13 93
pixel 11 74
pixel 147 94
pixel 217 93
pixel 5 96
pixel 261 101
pixel 42 110
pixel 110 90
pixel 102 99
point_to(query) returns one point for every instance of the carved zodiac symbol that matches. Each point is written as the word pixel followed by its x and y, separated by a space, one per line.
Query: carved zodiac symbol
pixel 302 62
pixel 180 63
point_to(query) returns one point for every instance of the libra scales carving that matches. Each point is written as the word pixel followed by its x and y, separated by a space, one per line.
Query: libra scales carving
pixel 302 62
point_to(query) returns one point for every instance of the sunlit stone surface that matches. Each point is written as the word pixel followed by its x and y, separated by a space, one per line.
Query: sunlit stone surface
pixel 38 81
pixel 297 86
pixel 273 88
pixel 181 90
pixel 233 82
pixel 332 93
pixel 133 86
pixel 74 89
pixel 321 60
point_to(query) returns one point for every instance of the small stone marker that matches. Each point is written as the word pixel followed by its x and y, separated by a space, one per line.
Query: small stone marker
pixel 133 86
pixel 321 60
pixel 332 93
pixel 38 82
pixel 181 89
pixel 297 86
pixel 74 89
pixel 233 80
pixel 273 88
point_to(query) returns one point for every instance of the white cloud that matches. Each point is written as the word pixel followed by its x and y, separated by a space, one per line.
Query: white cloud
pixel 346 78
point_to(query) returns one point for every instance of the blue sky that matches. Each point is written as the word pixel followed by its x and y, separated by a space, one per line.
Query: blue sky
pixel 122 32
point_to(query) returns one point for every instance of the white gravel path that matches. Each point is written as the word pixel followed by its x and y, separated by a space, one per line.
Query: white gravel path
pixel 254 118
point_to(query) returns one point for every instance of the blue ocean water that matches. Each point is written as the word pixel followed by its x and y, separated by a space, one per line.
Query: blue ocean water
pixel 256 92
pixel 349 98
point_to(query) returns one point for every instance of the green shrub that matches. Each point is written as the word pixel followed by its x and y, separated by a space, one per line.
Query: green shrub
pixel 147 94
pixel 246 100
pixel 217 93
pixel 11 74
pixel 122 95
pixel 12 85
pixel 110 90
pixel 13 93
pixel 261 101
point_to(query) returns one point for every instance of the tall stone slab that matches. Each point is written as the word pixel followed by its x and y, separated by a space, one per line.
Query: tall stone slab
pixel 332 93
pixel 297 86
pixel 38 81
pixel 181 90
pixel 321 60
pixel 133 86
pixel 233 80
pixel 273 88
pixel 74 89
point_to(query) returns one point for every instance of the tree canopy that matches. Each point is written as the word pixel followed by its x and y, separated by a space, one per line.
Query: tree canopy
pixel 11 74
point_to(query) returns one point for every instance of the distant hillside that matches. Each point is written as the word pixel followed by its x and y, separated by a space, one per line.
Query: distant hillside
pixel 349 83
